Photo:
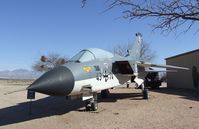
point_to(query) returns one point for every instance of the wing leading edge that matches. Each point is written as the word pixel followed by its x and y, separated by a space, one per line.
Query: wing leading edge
pixel 147 65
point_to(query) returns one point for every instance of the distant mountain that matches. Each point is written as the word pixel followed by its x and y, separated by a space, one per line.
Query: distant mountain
pixel 19 74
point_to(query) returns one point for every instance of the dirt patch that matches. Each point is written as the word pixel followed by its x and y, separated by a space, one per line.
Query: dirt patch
pixel 125 109
pixel 15 82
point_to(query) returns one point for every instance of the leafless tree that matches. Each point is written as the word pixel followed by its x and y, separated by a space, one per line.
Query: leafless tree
pixel 48 62
pixel 121 49
pixel 146 53
pixel 169 15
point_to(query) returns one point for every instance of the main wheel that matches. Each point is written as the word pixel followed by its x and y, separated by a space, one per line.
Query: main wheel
pixel 94 106
pixel 88 105
pixel 105 93
pixel 127 85
pixel 145 94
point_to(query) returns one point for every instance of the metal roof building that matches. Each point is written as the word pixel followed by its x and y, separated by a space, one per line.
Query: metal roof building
pixel 183 78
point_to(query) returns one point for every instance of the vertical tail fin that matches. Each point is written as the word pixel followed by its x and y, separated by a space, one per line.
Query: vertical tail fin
pixel 136 50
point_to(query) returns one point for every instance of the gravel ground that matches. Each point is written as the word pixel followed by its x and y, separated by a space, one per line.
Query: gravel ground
pixel 124 109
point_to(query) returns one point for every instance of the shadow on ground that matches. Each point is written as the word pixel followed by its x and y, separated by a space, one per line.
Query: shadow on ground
pixel 45 107
pixel 50 106
pixel 116 96
pixel 190 94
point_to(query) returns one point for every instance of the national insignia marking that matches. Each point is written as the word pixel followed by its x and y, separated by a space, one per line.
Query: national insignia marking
pixel 87 68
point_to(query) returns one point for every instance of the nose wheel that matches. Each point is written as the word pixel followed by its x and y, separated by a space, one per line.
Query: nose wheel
pixel 91 104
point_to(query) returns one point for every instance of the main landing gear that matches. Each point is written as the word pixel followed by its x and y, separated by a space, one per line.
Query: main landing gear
pixel 140 83
pixel 105 93
pixel 145 94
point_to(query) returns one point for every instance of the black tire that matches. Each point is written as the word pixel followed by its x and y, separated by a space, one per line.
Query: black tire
pixel 87 106
pixel 127 85
pixel 94 106
pixel 105 93
pixel 145 94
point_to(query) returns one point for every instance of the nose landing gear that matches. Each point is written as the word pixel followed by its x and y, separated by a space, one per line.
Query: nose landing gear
pixel 91 104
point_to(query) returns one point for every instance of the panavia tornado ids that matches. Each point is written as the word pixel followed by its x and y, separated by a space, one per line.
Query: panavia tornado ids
pixel 93 70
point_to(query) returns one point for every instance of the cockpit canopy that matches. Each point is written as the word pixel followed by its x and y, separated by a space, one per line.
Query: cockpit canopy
pixel 91 54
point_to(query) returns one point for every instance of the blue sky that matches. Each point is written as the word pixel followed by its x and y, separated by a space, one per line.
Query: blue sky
pixel 31 28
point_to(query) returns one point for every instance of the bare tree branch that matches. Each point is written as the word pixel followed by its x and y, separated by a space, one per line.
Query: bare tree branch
pixel 121 49
pixel 169 15
pixel 48 62
pixel 146 53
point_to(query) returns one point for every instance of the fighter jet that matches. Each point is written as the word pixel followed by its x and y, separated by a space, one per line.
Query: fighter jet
pixel 93 70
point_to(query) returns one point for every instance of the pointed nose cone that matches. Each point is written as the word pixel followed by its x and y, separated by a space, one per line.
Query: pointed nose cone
pixel 58 81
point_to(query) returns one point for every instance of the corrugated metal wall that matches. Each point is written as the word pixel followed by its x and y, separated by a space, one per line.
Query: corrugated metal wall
pixel 183 78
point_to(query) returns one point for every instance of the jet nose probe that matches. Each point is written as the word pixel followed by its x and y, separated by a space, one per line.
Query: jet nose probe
pixel 56 82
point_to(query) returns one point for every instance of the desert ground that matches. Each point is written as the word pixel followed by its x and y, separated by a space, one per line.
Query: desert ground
pixel 124 109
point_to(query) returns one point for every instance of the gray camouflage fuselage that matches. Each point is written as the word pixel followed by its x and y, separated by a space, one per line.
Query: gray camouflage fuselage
pixel 70 79
pixel 93 70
